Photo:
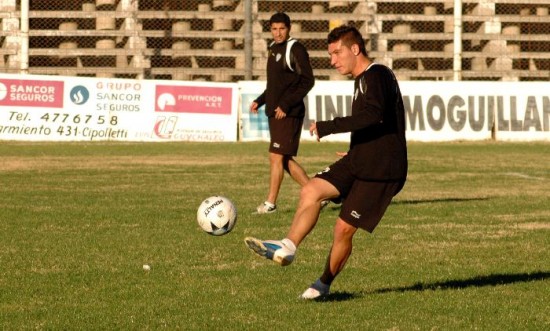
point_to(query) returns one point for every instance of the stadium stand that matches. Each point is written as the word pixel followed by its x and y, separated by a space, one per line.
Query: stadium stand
pixel 501 40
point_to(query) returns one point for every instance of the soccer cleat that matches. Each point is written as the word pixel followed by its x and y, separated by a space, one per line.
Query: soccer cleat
pixel 324 203
pixel 273 250
pixel 266 208
pixel 317 290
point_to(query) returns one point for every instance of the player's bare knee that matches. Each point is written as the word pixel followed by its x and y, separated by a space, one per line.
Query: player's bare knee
pixel 343 231
pixel 309 192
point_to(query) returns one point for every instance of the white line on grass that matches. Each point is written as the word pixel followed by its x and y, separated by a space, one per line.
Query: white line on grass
pixel 520 175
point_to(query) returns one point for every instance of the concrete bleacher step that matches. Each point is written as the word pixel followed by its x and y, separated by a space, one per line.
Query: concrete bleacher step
pixel 183 39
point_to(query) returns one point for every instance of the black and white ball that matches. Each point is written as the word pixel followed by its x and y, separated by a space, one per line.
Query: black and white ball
pixel 217 215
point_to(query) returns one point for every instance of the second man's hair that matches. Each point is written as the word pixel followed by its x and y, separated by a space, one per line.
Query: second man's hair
pixel 280 18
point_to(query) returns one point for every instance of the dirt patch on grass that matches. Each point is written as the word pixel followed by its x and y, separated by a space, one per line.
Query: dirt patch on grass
pixel 534 226
pixel 9 164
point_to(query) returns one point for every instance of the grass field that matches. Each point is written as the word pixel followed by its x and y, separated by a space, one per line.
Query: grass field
pixel 464 246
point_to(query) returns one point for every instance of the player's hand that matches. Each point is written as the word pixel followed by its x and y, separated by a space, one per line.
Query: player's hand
pixel 313 130
pixel 254 107
pixel 279 113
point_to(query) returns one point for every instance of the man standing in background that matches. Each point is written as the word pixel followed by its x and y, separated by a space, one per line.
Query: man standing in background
pixel 289 79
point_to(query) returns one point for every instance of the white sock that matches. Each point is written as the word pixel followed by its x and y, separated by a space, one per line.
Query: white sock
pixel 289 244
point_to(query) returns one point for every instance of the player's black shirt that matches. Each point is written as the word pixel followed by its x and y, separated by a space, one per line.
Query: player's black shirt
pixel 378 148
pixel 286 88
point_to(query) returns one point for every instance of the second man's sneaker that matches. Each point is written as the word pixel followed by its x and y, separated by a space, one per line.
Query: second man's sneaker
pixel 273 250
pixel 266 208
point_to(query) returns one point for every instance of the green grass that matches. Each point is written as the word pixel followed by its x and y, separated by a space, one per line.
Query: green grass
pixel 464 246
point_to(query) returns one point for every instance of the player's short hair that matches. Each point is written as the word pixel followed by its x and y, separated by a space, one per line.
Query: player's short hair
pixel 280 18
pixel 349 35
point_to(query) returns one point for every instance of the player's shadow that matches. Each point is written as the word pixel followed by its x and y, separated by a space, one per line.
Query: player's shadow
pixel 339 296
pixel 478 281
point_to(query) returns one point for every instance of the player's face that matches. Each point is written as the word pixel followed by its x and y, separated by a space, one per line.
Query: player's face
pixel 280 32
pixel 341 58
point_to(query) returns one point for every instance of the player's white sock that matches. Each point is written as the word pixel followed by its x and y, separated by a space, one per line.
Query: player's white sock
pixel 289 244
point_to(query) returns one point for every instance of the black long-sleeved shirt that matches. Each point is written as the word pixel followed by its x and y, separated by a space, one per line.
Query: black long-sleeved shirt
pixel 378 148
pixel 286 88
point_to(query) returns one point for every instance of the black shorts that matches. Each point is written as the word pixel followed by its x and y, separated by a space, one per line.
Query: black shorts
pixel 285 135
pixel 364 202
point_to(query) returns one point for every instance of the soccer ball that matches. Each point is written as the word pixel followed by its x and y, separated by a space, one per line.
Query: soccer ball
pixel 217 215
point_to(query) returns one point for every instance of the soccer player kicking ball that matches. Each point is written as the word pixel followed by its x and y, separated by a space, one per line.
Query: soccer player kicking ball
pixel 372 172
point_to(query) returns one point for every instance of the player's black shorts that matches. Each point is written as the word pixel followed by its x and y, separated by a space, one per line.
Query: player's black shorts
pixel 285 135
pixel 364 202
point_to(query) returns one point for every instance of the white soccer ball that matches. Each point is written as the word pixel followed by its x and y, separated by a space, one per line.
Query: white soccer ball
pixel 217 215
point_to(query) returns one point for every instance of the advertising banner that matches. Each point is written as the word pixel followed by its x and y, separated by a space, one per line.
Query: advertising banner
pixel 506 111
pixel 51 108
pixel 48 108
pixel 434 111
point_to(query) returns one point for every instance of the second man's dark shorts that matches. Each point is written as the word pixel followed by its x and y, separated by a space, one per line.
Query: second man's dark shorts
pixel 285 135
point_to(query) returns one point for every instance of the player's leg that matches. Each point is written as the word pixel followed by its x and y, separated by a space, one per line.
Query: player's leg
pixel 309 206
pixel 340 251
pixel 277 165
pixel 305 218
pixel 293 128
pixel 335 181
pixel 299 174
pixel 276 169
pixel 364 206
pixel 282 146
pixel 276 175
pixel 295 170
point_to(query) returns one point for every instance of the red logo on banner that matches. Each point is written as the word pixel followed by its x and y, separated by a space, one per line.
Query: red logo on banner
pixel 164 127
pixel 193 99
pixel 31 93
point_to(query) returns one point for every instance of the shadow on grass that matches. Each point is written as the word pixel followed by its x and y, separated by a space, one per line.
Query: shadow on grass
pixel 416 202
pixel 339 296
pixel 479 281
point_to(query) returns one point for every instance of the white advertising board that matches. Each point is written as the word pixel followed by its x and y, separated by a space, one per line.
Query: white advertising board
pixel 435 111
pixel 50 108
pixel 443 111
